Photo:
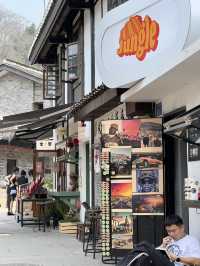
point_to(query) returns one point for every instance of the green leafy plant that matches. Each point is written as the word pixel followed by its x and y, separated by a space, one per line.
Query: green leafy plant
pixel 58 209
pixel 71 216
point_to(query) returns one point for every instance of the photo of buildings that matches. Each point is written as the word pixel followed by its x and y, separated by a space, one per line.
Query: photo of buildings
pixel 120 162
pixel 122 223
pixel 121 194
pixel 148 204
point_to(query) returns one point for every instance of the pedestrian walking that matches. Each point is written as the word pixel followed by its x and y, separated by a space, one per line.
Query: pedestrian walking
pixel 13 193
pixel 9 180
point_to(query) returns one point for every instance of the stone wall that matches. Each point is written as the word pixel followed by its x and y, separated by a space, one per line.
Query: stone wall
pixel 18 94
pixel 23 157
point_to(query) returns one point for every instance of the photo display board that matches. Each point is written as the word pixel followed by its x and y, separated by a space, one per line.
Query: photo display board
pixel 132 179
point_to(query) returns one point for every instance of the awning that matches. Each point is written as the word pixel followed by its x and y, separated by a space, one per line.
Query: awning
pixel 185 127
pixel 36 124
pixel 95 104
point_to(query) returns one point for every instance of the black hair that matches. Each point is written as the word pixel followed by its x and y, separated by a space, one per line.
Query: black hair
pixel 173 219
pixel 23 172
pixel 30 172
pixel 85 205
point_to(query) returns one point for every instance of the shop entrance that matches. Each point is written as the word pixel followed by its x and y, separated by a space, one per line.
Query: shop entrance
pixel 175 158
pixel 11 164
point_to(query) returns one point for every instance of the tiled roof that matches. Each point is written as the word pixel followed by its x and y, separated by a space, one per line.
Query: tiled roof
pixel 86 99
pixel 42 23
pixel 21 67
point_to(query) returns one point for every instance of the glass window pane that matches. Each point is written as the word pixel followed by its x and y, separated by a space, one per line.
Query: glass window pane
pixel 72 72
pixel 114 3
pixel 72 61
pixel 73 49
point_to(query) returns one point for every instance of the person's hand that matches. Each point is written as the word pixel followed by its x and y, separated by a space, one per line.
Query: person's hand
pixel 172 256
pixel 166 241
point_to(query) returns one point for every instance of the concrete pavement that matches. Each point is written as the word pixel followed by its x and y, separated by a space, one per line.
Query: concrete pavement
pixel 29 247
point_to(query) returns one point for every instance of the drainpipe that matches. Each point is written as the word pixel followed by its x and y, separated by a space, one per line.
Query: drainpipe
pixel 92 30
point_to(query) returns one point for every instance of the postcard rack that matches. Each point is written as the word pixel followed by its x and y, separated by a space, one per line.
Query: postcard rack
pixel 132 181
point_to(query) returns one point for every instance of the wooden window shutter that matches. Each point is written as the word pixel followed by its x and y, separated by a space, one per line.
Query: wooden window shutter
pixel 51 89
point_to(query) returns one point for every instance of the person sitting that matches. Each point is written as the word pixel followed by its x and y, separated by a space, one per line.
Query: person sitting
pixel 182 248
pixel 179 248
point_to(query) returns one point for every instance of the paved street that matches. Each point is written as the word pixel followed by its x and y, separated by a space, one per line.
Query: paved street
pixel 29 247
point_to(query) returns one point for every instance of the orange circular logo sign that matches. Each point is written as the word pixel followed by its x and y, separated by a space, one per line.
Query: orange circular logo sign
pixel 138 37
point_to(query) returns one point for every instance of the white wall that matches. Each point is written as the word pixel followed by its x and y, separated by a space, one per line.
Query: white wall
pixel 84 136
pixel 98 17
pixel 194 219
pixel 87 52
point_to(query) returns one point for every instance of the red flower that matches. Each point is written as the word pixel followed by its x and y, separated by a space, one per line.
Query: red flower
pixel 76 141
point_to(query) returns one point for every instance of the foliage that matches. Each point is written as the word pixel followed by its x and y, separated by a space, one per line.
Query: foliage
pixel 16 36
pixel 71 216
pixel 48 183
pixel 58 209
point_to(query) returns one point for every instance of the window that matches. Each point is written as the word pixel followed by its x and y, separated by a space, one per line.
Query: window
pixel 114 3
pixel 51 88
pixel 72 61
pixel 37 106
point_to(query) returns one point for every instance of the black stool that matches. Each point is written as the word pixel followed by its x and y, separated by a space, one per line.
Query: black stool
pixel 42 219
pixel 92 242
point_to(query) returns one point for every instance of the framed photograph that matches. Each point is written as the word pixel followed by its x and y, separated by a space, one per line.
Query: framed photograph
pixel 122 223
pixel 120 241
pixel 111 133
pixel 120 162
pixel 147 160
pixel 147 180
pixel 131 133
pixel 148 204
pixel 121 133
pixel 151 132
pixel 121 195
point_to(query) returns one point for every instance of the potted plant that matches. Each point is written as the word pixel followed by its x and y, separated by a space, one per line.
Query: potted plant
pixel 69 224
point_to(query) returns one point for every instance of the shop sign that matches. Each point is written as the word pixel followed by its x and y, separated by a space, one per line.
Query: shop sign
pixel 140 36
pixel 45 145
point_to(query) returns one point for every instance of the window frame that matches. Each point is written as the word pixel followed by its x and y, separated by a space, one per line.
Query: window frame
pixel 111 4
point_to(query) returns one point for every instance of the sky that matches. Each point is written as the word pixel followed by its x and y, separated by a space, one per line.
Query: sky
pixel 31 10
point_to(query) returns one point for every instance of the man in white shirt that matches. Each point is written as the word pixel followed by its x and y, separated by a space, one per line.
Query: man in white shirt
pixel 183 249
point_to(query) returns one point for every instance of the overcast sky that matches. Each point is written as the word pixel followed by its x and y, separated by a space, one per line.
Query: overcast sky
pixel 31 10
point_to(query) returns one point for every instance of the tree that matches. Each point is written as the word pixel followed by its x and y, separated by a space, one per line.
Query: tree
pixel 16 36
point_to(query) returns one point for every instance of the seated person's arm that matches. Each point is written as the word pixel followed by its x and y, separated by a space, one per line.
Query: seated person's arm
pixel 185 260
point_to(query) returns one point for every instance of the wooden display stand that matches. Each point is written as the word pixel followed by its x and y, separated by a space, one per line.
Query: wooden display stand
pixel 68 228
